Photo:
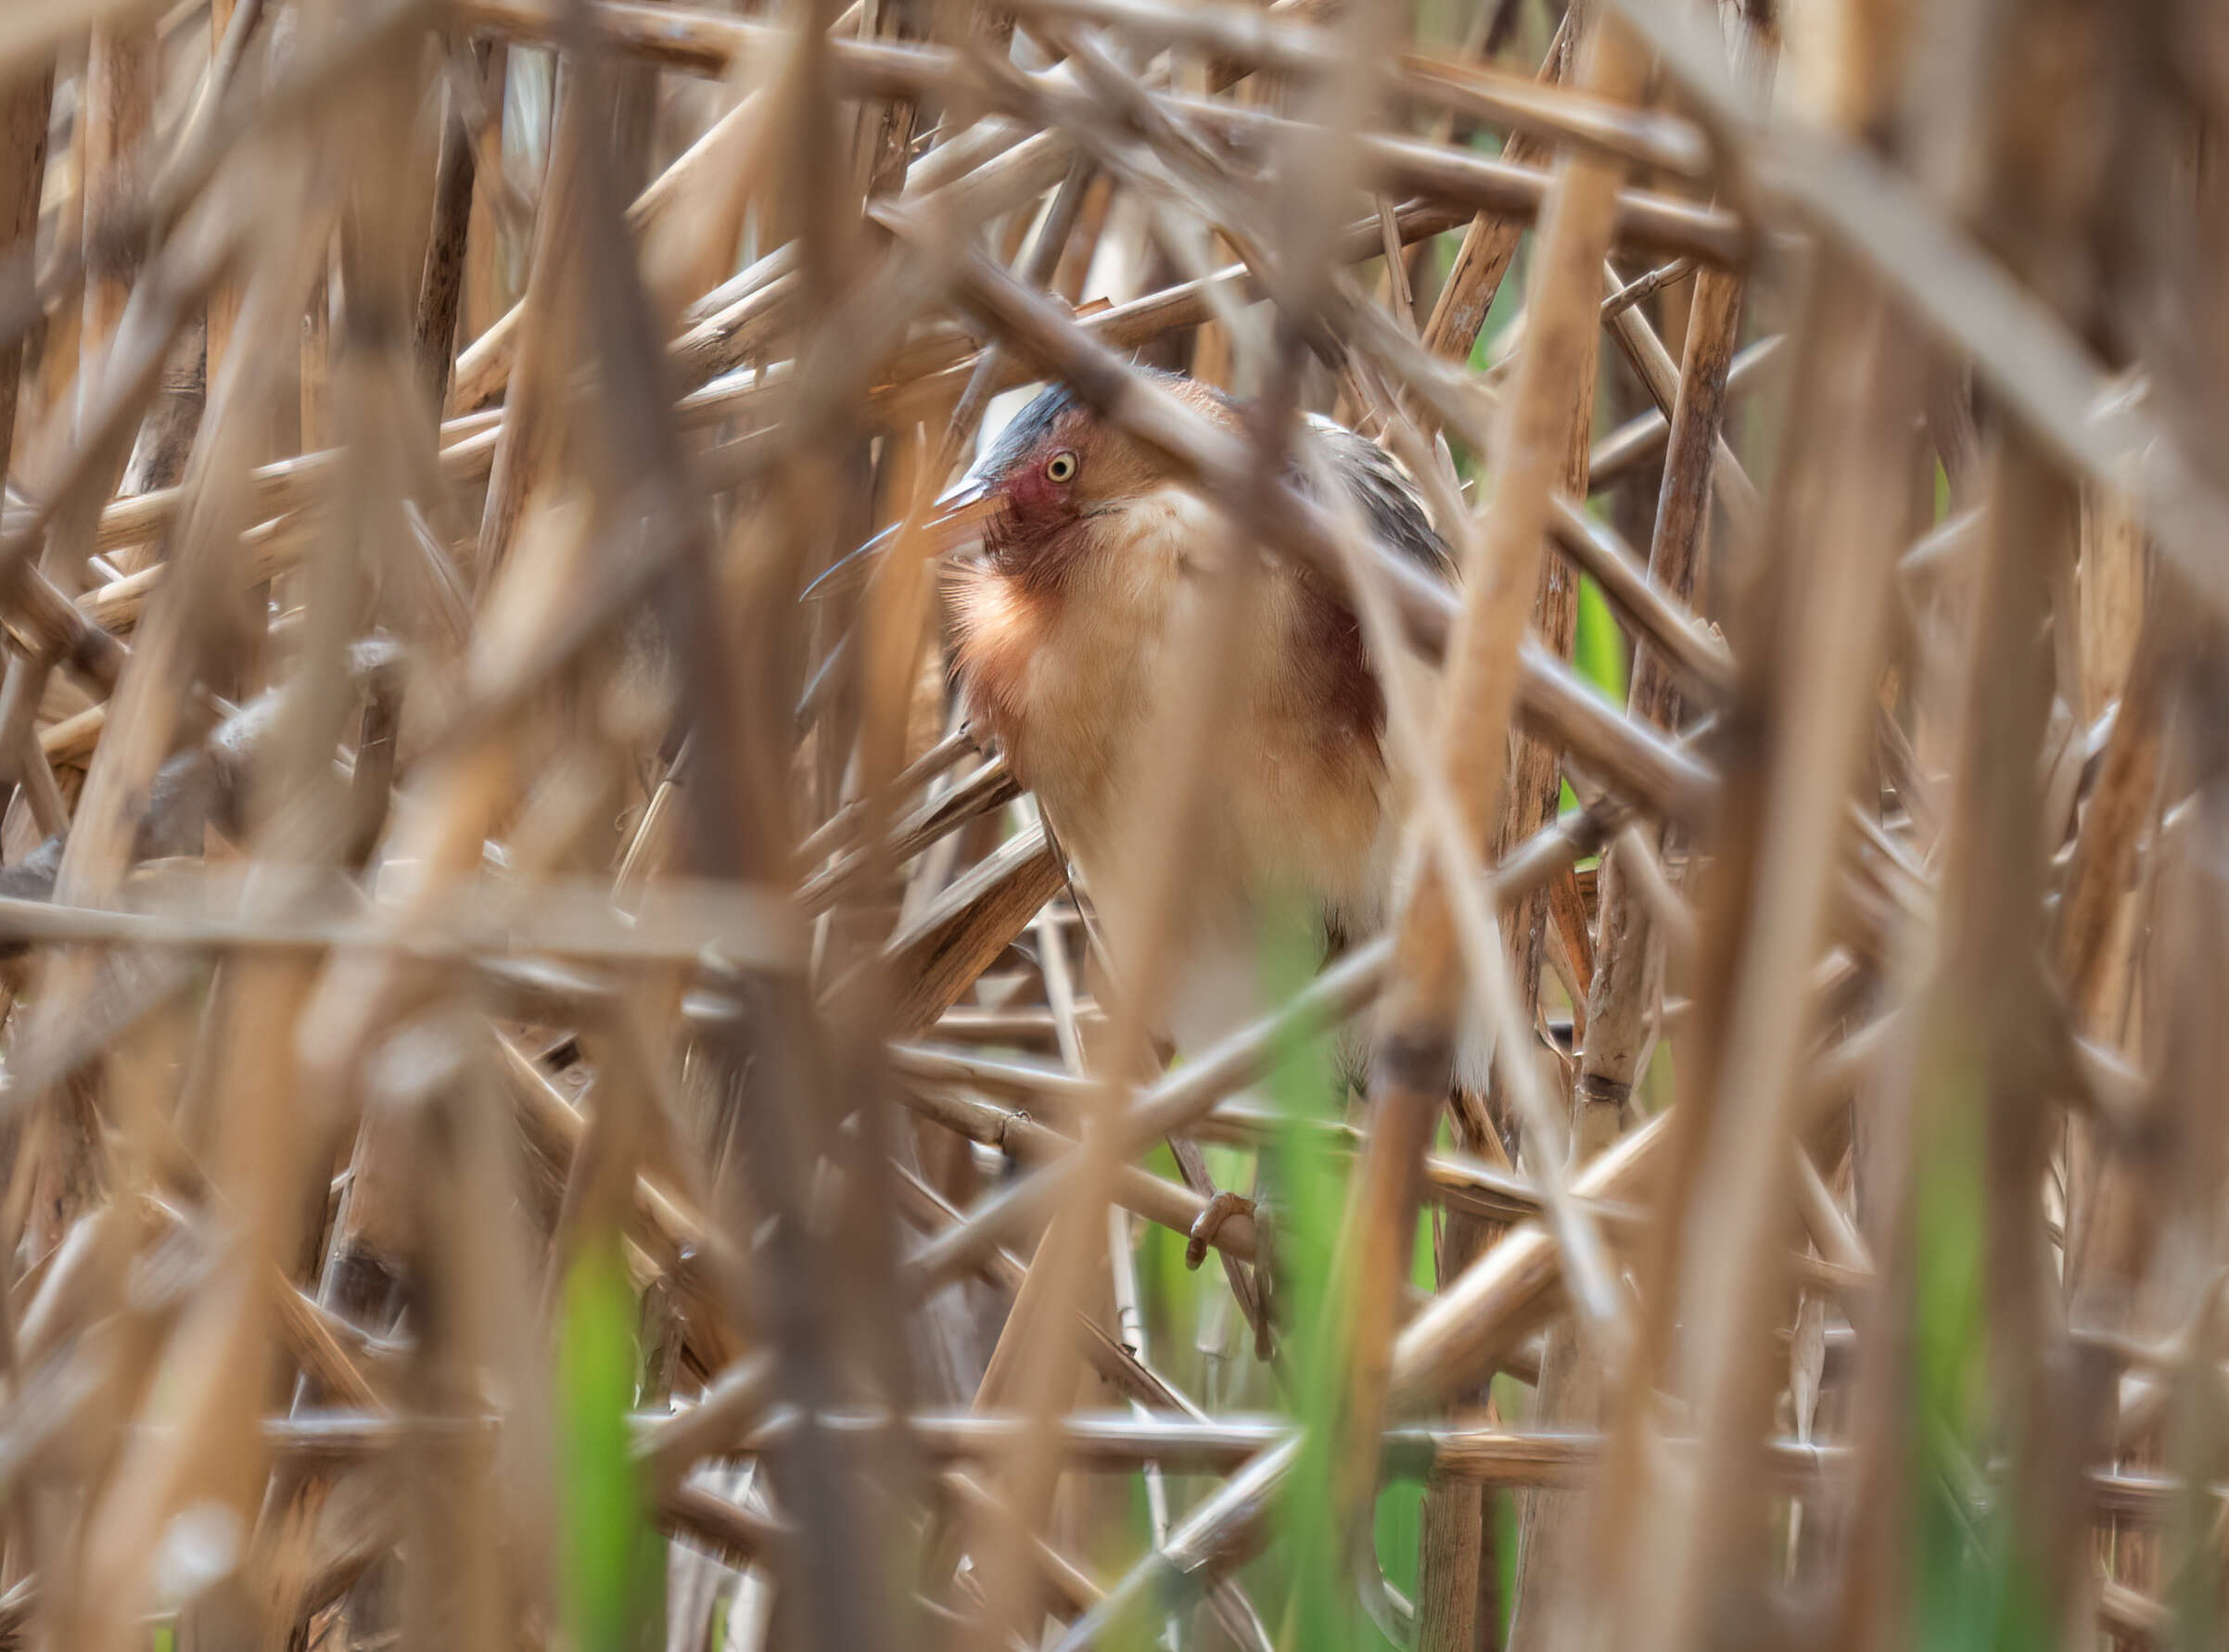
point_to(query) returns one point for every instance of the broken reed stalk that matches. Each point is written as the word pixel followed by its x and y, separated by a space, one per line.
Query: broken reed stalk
pixel 518 1034
pixel 1626 986
pixel 1421 1023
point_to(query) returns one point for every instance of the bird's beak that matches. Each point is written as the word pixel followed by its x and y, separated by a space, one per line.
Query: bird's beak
pixel 954 522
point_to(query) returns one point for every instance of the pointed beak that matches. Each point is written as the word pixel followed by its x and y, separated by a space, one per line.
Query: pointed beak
pixel 954 522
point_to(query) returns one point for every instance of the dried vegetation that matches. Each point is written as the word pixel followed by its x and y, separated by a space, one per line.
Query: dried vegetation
pixel 553 1095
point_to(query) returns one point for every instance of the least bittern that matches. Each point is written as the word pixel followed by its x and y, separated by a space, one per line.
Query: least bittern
pixel 1060 633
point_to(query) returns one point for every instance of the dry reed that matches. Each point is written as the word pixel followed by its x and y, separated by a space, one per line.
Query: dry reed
pixel 556 1093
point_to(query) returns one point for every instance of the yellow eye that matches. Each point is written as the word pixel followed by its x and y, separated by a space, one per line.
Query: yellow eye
pixel 1061 467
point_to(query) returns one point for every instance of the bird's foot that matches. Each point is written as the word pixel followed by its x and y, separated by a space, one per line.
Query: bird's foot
pixel 1220 1209
pixel 1253 1290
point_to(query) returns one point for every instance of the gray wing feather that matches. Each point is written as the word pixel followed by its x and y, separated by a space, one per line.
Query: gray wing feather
pixel 1381 489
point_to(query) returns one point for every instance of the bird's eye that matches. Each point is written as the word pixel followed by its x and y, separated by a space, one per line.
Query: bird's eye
pixel 1061 467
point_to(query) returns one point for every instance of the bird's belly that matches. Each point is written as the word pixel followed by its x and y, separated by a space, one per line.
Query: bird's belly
pixel 1295 811
pixel 1279 848
pixel 1286 807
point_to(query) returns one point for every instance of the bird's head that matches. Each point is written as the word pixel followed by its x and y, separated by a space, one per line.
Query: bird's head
pixel 1059 479
pixel 1050 491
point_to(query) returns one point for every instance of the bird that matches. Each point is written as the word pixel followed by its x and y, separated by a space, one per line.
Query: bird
pixel 1061 630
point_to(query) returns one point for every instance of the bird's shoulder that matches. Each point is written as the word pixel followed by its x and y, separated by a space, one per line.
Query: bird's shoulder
pixel 1375 481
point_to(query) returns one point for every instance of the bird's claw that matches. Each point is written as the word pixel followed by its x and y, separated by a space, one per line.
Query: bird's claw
pixel 1209 1223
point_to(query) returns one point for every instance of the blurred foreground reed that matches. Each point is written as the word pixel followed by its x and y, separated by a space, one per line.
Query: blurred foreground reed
pixel 537 1065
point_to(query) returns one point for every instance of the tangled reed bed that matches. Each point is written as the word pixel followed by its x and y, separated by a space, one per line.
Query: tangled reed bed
pixel 558 1094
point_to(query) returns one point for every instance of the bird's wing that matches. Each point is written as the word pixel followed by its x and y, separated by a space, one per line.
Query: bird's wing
pixel 1388 500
